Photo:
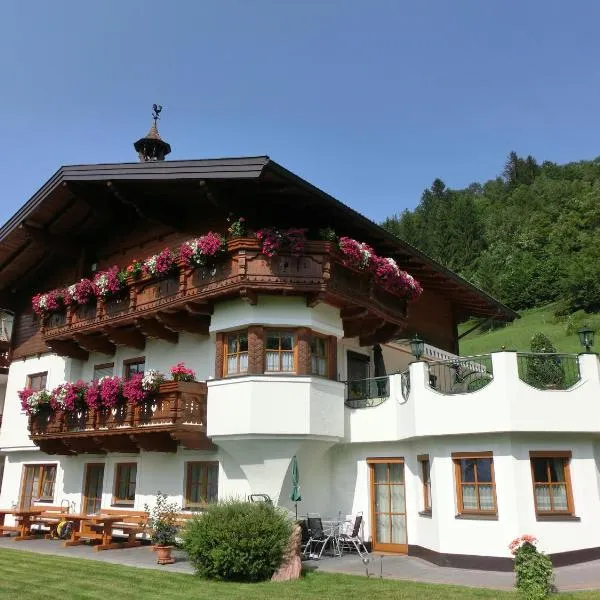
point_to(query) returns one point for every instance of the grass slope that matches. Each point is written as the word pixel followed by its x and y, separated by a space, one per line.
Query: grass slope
pixel 517 335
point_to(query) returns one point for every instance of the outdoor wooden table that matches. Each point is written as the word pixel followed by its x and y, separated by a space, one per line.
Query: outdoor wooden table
pixel 96 528
pixel 24 518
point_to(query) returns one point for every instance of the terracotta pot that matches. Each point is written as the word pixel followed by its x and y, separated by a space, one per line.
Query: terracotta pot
pixel 164 555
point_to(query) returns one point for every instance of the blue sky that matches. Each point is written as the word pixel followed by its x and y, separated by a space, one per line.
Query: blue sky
pixel 368 100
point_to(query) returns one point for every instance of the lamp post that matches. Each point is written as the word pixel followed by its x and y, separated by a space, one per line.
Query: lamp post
pixel 586 337
pixel 417 347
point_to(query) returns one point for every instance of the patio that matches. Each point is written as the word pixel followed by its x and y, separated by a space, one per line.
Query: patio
pixel 584 576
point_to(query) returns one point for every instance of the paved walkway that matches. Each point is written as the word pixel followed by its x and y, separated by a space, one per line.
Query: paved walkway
pixel 583 576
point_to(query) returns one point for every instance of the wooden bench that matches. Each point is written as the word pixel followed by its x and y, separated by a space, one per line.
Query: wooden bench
pixel 49 519
pixel 135 523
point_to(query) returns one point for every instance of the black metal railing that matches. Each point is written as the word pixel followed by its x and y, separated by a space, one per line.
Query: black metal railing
pixel 366 393
pixel 548 371
pixel 462 375
pixel 405 384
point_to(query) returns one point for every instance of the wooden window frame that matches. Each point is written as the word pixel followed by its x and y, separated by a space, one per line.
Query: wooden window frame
pixel 187 503
pixel 327 356
pixel 285 330
pixel 456 458
pixel 116 501
pixel 110 365
pixel 237 354
pixel 566 455
pixel 426 482
pixel 38 497
pixel 132 361
pixel 32 376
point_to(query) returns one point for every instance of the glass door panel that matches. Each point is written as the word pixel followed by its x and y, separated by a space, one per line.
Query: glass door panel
pixel 388 505
pixel 92 490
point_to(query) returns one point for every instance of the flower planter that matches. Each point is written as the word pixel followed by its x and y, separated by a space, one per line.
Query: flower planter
pixel 163 555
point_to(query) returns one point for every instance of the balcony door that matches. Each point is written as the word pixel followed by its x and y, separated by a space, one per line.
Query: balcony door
pixel 92 488
pixel 388 504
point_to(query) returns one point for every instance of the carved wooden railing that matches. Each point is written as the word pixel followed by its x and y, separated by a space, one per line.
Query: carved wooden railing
pixel 245 272
pixel 176 404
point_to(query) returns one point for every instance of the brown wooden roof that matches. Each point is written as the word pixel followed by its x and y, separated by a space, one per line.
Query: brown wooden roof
pixel 80 205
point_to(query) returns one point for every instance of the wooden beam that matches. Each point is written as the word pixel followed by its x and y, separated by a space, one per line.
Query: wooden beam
pixel 59 244
pixel 382 335
pixel 314 298
pixel 362 327
pixel 145 210
pixel 95 343
pixel 351 313
pixel 249 296
pixel 126 337
pixel 153 329
pixel 68 348
pixel 199 308
pixel 184 322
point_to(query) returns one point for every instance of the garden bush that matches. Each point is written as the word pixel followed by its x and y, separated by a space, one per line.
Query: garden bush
pixel 544 371
pixel 532 568
pixel 238 541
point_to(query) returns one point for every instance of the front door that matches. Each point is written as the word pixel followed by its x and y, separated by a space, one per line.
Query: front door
pixel 388 504
pixel 92 488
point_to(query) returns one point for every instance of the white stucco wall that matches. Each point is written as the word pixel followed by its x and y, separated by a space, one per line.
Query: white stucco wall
pixel 284 311
pixel 275 405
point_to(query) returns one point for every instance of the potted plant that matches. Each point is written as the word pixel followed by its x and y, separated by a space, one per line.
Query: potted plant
pixel 162 519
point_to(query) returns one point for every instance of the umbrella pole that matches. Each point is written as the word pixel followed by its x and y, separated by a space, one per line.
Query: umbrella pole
pixel 296 506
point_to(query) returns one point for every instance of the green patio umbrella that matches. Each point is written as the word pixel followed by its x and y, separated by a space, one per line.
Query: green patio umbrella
pixel 295 495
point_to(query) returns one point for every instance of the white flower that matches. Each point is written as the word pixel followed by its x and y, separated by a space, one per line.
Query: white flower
pixel 151 380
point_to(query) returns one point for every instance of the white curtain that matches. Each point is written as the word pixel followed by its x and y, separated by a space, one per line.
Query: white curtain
pixel 319 366
pixel 469 497
pixel 486 497
pixel 272 359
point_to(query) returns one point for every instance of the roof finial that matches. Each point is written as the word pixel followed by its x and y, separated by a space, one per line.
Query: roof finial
pixel 152 147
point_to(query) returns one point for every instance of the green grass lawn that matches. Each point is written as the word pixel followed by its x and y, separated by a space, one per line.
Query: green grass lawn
pixel 30 576
pixel 517 335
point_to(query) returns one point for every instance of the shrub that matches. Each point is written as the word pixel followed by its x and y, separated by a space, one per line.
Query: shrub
pixel 544 371
pixel 238 541
pixel 532 568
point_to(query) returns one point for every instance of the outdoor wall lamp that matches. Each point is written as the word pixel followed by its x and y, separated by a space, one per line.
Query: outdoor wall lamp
pixel 416 347
pixel 586 337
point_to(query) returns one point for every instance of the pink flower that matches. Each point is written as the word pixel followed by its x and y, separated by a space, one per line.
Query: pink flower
pixel 198 252
pixel 180 372
pixel 80 293
pixel 44 304
pixel 520 541
pixel 92 396
pixel 275 240
pixel 133 390
pixel 159 264
pixel 111 391
pixel 23 397
pixel 108 283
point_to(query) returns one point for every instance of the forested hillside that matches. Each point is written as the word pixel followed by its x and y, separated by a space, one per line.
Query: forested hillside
pixel 529 237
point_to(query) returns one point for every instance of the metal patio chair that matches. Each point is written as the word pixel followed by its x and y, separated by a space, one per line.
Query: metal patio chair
pixel 318 540
pixel 353 539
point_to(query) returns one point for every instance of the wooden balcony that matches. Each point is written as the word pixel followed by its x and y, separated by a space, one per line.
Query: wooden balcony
pixel 183 300
pixel 178 416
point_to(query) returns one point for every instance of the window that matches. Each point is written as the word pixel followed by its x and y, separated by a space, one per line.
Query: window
pixel 318 349
pixel 551 482
pixel 475 487
pixel 236 353
pixel 426 479
pixel 104 370
pixel 37 381
pixel 38 484
pixel 201 484
pixel 133 366
pixel 279 352
pixel 125 476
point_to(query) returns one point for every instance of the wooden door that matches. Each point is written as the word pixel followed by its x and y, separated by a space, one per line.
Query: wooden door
pixel 92 488
pixel 29 485
pixel 388 505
